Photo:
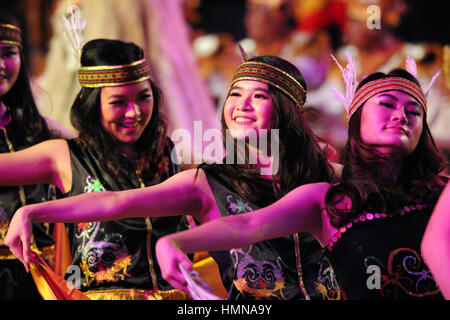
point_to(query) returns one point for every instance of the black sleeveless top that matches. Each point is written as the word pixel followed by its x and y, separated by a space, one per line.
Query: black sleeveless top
pixel 10 201
pixel 115 254
pixel 284 268
pixel 377 257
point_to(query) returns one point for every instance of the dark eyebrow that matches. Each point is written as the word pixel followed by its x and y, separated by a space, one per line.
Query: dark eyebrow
pixel 259 89
pixel 119 96
pixel 411 102
pixel 388 95
pixel 10 47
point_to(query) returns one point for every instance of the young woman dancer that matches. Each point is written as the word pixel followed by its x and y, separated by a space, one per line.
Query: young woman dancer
pixel 122 145
pixel 372 220
pixel 21 126
pixel 264 101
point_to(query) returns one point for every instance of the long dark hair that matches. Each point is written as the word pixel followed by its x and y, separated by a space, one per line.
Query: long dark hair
pixel 85 116
pixel 362 182
pixel 301 160
pixel 27 126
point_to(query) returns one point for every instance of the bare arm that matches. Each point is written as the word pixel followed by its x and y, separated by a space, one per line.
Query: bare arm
pixel 178 195
pixel 436 243
pixel 298 211
pixel 46 162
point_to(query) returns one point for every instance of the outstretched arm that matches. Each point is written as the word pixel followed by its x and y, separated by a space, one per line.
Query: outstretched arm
pixel 436 243
pixel 298 211
pixel 46 162
pixel 176 196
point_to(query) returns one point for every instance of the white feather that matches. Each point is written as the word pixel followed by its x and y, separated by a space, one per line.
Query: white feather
pixel 349 75
pixel 436 75
pixel 73 27
pixel 411 66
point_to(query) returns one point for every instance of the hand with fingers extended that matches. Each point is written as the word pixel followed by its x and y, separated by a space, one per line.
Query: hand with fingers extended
pixel 18 236
pixel 169 258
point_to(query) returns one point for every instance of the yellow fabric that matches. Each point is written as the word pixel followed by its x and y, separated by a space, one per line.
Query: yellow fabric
pixel 137 294
pixel 209 271
pixel 50 285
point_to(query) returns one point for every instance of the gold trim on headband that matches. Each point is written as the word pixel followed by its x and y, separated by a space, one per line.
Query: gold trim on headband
pixel 117 75
pixel 262 72
pixel 10 34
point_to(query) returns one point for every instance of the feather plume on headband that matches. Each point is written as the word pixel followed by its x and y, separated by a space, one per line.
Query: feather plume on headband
pixel 73 26
pixel 352 99
pixel 411 67
pixel 349 75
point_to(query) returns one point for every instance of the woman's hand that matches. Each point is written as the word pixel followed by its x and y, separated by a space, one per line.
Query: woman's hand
pixel 169 257
pixel 19 235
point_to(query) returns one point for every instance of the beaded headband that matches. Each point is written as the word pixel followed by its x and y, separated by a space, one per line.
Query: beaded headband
pixel 266 73
pixel 353 99
pixel 10 34
pixel 112 76
pixel 386 84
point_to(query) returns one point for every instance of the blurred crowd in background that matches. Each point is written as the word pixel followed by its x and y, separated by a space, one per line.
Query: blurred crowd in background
pixel 192 46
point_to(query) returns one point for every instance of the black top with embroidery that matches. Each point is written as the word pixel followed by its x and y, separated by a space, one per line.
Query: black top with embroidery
pixel 10 201
pixel 377 257
pixel 268 269
pixel 114 254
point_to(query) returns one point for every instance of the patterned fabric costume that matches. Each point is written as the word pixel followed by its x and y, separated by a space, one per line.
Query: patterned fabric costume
pixel 384 266
pixel 283 268
pixel 114 256
pixel 15 282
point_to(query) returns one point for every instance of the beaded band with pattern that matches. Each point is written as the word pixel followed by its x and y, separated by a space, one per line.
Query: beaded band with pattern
pixel 266 73
pixel 10 34
pixel 111 76
pixel 387 84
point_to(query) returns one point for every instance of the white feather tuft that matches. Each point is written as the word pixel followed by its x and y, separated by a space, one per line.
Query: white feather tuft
pixel 436 75
pixel 349 75
pixel 73 27
pixel 411 66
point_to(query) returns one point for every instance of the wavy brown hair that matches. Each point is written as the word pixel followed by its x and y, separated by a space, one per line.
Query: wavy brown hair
pixel 85 116
pixel 364 180
pixel 301 160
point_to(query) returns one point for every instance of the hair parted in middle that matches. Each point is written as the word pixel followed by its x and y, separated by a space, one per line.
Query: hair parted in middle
pixel 86 114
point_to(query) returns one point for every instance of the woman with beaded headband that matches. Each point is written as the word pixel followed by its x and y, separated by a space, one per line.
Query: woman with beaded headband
pixel 371 221
pixel 21 126
pixel 267 93
pixel 122 145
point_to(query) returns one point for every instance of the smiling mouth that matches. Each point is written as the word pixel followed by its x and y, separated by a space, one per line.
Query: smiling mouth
pixel 130 125
pixel 243 120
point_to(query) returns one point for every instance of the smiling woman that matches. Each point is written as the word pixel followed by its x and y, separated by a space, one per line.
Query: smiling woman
pixel 372 219
pixel 267 93
pixel 126 112
pixel 248 108
pixel 122 145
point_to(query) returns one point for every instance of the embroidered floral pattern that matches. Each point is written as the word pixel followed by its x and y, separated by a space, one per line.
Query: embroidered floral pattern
pixel 260 278
pixel 93 185
pixel 326 282
pixel 407 272
pixel 237 205
pixel 104 256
